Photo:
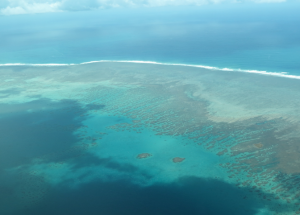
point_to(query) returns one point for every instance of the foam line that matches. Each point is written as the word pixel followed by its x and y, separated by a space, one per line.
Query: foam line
pixel 278 74
pixel 27 64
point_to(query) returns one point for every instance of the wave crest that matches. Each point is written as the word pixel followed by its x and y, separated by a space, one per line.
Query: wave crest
pixel 278 74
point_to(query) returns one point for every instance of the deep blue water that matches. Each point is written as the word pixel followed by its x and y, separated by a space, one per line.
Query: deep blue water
pixel 259 37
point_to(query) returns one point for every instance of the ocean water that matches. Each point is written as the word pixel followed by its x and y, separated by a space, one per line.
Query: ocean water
pixel 246 36
pixel 121 138
pixel 132 136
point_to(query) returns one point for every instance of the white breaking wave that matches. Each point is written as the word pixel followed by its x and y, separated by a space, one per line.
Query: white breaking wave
pixel 278 74
pixel 28 64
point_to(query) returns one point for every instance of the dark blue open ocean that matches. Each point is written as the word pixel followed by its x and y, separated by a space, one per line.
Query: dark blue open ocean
pixel 246 36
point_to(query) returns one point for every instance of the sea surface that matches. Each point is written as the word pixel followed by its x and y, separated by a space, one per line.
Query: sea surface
pixel 151 111
pixel 245 36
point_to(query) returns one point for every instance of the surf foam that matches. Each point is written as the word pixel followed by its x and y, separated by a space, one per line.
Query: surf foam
pixel 278 74
pixel 28 64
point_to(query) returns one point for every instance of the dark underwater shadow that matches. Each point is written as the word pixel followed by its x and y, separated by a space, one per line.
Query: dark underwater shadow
pixel 189 195
pixel 41 129
pixel 38 128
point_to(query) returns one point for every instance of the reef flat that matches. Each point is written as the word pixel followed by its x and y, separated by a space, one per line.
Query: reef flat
pixel 97 119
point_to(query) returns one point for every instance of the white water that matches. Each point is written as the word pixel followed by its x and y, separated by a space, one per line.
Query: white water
pixel 278 74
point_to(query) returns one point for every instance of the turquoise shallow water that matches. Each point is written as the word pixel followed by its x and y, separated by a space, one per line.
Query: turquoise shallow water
pixel 125 146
